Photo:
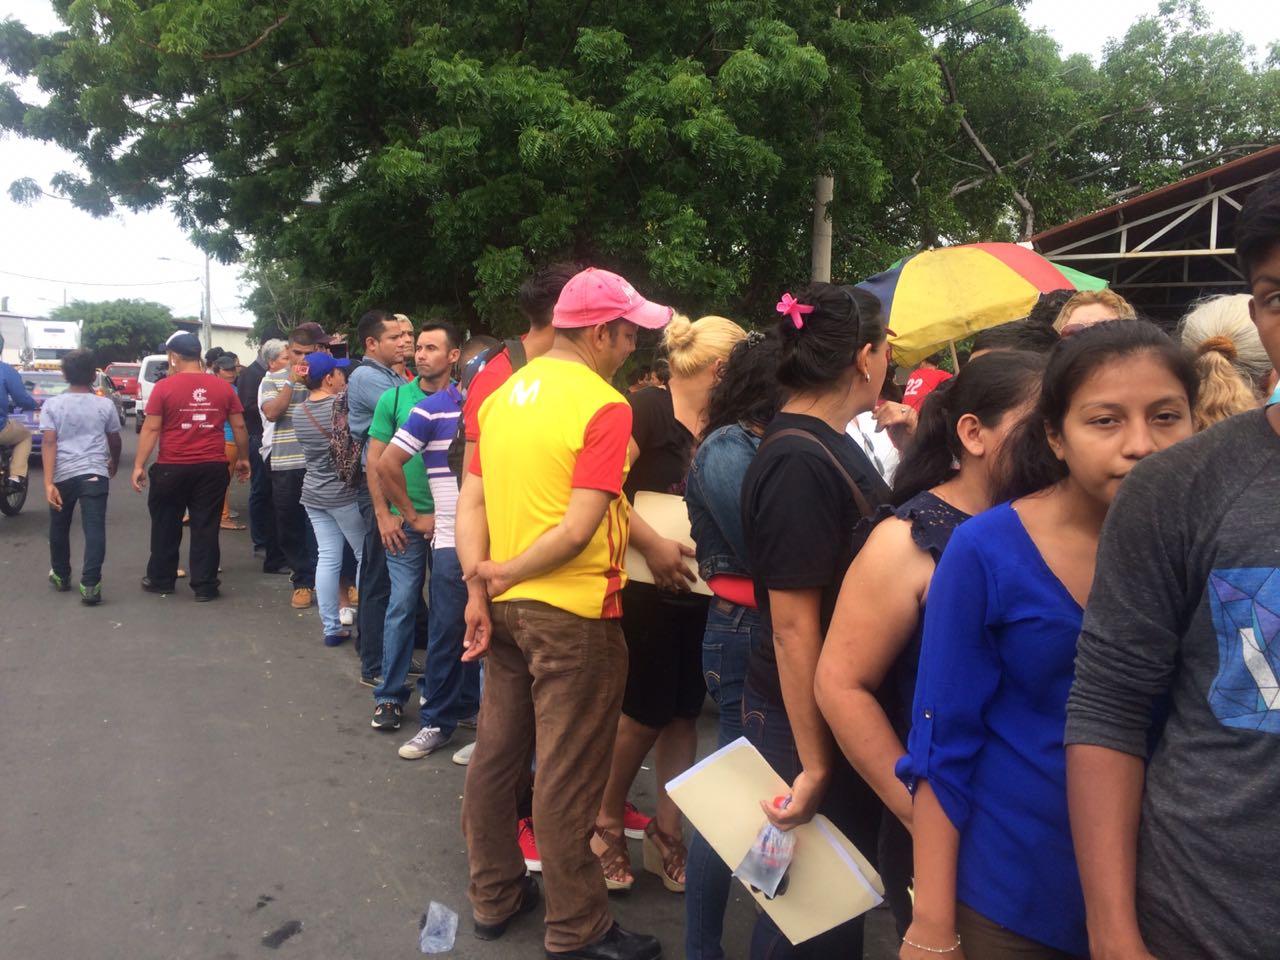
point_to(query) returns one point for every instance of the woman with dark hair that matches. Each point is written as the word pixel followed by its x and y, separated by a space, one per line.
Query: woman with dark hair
pixel 741 406
pixel 867 673
pixel 806 490
pixel 995 875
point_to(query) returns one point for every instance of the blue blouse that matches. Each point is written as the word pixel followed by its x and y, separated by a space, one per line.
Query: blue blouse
pixel 988 722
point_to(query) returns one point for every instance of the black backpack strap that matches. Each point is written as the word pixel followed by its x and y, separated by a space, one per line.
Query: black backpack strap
pixel 859 498
pixel 515 351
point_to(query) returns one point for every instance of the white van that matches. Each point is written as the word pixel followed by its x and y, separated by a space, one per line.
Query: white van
pixel 152 370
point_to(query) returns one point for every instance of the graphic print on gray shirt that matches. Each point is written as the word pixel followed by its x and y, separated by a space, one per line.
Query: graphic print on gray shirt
pixel 1186 602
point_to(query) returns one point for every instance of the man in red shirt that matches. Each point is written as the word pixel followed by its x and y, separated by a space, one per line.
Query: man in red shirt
pixel 923 381
pixel 538 296
pixel 185 415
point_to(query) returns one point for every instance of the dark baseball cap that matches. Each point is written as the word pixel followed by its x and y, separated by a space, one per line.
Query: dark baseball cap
pixel 318 336
pixel 185 345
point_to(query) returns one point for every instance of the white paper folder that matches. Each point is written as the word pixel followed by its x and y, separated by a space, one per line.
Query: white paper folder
pixel 669 517
pixel 830 881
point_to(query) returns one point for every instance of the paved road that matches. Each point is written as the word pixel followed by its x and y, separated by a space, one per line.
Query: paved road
pixel 183 780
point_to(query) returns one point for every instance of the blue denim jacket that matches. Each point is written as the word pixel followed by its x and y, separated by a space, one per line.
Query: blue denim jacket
pixel 714 498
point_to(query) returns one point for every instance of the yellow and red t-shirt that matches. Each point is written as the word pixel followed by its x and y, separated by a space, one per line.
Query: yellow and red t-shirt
pixel 553 426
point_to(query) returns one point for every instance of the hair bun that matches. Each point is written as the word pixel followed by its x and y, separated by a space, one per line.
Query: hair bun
pixel 679 333
pixel 1223 345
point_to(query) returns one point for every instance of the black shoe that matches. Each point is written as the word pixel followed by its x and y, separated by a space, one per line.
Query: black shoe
pixel 206 597
pixel 416 666
pixel 530 897
pixel 17 484
pixel 386 716
pixel 259 551
pixel 91 596
pixel 371 680
pixel 617 944
pixel 284 570
pixel 151 586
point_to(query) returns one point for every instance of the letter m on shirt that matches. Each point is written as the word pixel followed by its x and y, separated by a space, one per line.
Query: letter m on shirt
pixel 522 393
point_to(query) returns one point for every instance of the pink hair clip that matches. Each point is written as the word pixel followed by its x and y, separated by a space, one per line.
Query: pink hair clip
pixel 791 307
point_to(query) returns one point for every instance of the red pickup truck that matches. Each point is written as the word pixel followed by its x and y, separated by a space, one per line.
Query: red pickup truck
pixel 125 377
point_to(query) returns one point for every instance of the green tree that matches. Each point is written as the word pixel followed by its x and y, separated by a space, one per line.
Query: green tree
pixel 425 156
pixel 119 329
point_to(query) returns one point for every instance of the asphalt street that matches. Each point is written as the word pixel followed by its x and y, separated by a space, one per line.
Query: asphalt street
pixel 186 780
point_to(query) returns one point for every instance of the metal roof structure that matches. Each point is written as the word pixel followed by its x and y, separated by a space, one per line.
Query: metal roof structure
pixel 1167 248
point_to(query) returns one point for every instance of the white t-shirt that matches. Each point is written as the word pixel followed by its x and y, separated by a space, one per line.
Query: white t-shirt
pixel 877 446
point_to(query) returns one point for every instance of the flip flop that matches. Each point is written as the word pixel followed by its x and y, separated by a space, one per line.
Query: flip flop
pixel 231 525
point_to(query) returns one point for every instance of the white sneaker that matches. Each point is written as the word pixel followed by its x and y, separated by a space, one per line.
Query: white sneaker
pixel 463 756
pixel 424 743
pixel 347 616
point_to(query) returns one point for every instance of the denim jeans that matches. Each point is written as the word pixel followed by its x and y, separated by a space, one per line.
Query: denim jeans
pixel 334 527
pixel 375 590
pixel 849 803
pixel 407 575
pixel 90 491
pixel 726 649
pixel 450 689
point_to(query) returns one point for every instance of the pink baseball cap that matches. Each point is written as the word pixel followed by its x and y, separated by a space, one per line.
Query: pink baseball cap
pixel 594 296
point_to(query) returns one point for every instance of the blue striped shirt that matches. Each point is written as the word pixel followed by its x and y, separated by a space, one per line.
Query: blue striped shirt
pixel 429 431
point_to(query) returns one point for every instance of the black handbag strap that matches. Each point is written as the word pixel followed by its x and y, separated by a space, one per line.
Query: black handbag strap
pixel 859 498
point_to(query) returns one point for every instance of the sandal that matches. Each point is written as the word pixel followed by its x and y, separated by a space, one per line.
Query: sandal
pixel 665 856
pixel 231 525
pixel 615 860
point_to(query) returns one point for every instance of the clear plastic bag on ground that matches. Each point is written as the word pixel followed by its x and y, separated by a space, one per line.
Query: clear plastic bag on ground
pixel 439 929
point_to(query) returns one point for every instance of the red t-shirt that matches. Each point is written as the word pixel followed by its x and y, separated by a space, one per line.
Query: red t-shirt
pixel 192 408
pixel 920 384
pixel 495 374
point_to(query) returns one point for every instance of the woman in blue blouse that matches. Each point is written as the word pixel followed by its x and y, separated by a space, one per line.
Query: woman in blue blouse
pixel 867 672
pixel 995 875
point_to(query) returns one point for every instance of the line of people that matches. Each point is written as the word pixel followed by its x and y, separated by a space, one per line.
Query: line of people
pixel 1027 663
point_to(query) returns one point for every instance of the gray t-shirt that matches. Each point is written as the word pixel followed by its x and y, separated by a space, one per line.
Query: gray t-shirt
pixel 81 422
pixel 1186 605
pixel 321 486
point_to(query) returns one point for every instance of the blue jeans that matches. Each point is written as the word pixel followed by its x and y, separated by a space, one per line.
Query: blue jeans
pixel 849 803
pixel 90 491
pixel 450 689
pixel 726 649
pixel 333 527
pixel 407 574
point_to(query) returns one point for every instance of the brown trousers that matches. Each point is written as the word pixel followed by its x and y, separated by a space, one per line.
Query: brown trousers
pixel 984 939
pixel 559 678
pixel 15 435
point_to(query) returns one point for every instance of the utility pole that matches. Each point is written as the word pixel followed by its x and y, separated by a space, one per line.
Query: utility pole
pixel 823 190
pixel 206 324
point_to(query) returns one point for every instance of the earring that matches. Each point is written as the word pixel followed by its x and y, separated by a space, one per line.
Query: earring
pixel 867 376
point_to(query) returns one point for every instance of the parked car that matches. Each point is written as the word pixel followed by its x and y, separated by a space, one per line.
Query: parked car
pixel 125 377
pixel 41 384
pixel 105 386
pixel 154 368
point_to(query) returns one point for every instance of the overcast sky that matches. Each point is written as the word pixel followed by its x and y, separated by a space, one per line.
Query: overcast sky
pixel 61 252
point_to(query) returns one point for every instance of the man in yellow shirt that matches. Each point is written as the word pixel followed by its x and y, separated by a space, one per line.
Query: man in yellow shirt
pixel 541 536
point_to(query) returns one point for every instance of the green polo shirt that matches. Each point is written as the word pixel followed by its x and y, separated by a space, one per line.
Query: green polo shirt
pixel 389 415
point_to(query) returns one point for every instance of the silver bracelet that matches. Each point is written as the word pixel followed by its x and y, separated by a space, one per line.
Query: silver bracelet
pixel 920 946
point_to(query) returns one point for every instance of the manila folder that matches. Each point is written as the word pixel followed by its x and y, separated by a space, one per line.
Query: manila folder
pixel 829 882
pixel 669 517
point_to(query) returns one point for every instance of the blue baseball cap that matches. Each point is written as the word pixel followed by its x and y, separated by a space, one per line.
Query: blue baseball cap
pixel 320 365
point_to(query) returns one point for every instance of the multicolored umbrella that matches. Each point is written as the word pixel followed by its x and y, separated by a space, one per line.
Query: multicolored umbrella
pixel 940 296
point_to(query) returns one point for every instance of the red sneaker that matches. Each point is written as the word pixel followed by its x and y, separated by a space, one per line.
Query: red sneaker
pixel 634 822
pixel 529 846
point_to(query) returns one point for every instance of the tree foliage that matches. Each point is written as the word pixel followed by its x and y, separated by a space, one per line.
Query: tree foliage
pixel 427 155
pixel 119 329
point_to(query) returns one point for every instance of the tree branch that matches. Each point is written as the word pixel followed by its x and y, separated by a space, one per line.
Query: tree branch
pixel 249 46
pixel 1028 211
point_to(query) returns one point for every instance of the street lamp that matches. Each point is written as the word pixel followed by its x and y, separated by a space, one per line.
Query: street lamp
pixel 206 303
